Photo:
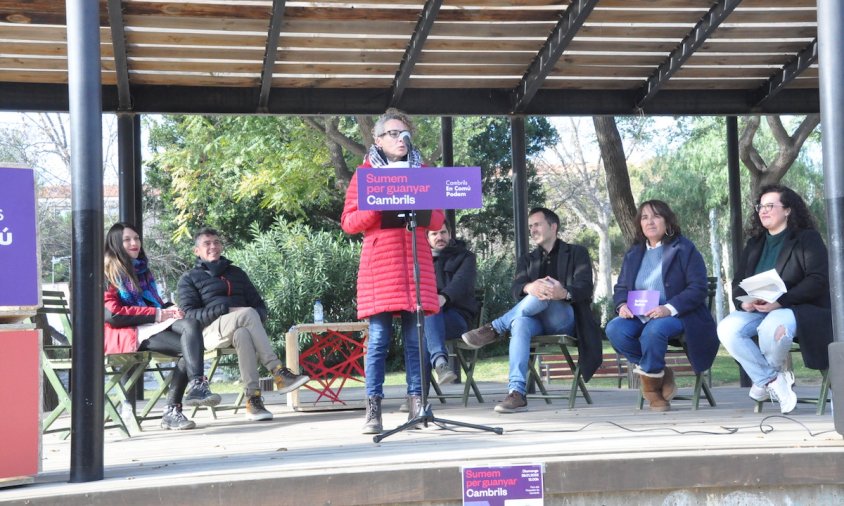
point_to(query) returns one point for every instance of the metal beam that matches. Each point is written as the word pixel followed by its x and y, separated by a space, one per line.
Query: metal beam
pixel 690 43
pixel 520 193
pixel 270 54
pixel 121 60
pixel 544 62
pixel 146 99
pixel 789 72
pixel 414 49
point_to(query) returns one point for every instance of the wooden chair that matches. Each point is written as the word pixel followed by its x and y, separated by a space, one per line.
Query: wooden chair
pixel 823 394
pixel 677 346
pixel 555 344
pixel 466 358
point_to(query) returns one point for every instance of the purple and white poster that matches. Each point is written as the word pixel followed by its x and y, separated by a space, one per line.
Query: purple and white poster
pixel 641 301
pixel 18 245
pixel 403 189
pixel 517 485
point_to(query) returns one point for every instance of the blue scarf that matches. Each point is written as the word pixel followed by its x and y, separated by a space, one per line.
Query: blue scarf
pixel 143 296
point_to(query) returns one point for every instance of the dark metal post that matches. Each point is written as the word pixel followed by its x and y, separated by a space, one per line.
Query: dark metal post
pixel 736 235
pixel 138 173
pixel 520 204
pixel 85 99
pixel 447 134
pixel 126 166
pixel 830 26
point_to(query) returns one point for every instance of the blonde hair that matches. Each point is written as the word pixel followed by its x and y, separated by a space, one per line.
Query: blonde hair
pixel 392 113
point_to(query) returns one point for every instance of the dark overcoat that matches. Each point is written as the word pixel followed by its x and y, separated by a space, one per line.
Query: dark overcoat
pixel 684 279
pixel 803 266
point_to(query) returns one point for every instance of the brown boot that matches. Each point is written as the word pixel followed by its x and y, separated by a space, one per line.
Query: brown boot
pixel 652 391
pixel 669 387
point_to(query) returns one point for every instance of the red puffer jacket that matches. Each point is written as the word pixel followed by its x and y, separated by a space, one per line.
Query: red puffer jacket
pixel 121 323
pixel 385 276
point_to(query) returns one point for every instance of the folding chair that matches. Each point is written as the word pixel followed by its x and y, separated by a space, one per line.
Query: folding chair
pixel 823 394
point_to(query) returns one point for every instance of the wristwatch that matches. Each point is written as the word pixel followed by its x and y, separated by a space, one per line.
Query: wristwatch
pixel 568 295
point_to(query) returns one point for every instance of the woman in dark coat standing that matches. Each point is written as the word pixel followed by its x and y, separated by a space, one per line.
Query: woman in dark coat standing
pixel 663 260
pixel 782 237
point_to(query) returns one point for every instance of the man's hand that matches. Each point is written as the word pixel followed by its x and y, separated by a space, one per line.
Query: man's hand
pixel 546 288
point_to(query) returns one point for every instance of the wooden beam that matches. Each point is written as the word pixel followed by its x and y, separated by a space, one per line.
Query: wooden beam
pixel 414 49
pixel 270 54
pixel 708 24
pixel 789 72
pixel 557 41
pixel 121 60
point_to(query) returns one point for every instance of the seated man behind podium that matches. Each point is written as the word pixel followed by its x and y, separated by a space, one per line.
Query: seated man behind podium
pixel 554 283
pixel 385 286
pixel 456 270
pixel 232 313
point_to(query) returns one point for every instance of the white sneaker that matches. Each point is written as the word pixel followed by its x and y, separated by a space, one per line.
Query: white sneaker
pixel 781 391
pixel 758 393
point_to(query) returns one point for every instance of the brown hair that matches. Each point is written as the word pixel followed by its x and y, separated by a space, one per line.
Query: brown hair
pixel 660 208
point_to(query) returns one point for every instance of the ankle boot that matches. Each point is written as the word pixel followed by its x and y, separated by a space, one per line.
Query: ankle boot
pixel 414 404
pixel 652 391
pixel 669 387
pixel 373 423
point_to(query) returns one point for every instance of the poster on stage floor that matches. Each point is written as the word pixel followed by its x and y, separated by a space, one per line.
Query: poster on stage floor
pixel 516 485
pixel 401 189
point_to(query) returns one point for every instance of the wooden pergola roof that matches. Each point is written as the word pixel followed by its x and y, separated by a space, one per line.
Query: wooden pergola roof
pixel 436 57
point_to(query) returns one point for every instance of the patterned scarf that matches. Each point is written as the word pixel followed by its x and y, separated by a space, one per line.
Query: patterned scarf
pixel 147 295
pixel 377 158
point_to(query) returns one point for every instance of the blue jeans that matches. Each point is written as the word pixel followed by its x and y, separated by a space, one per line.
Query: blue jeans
pixel 531 317
pixel 644 344
pixel 380 333
pixel 447 324
pixel 762 362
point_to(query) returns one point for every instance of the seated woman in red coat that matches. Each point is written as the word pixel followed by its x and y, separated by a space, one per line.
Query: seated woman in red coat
pixel 385 286
pixel 136 319
pixel 664 261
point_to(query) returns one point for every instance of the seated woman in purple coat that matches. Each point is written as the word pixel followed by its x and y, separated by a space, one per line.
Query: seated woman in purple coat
pixel 664 261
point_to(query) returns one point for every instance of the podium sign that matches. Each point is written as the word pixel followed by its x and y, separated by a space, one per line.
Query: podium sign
pixel 19 273
pixel 394 189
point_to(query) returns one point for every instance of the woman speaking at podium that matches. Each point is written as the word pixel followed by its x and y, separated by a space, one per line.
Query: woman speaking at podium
pixel 385 287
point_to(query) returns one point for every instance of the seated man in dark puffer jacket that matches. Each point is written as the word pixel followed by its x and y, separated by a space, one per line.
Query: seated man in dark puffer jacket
pixel 224 300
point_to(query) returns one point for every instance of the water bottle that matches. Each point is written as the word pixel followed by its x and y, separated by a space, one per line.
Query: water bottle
pixel 318 317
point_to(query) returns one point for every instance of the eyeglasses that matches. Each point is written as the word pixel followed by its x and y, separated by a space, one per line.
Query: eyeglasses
pixel 767 207
pixel 394 134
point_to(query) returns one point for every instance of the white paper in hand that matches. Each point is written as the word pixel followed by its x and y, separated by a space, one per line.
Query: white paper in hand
pixel 767 286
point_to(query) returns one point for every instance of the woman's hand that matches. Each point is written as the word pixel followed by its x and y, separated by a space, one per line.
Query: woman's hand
pixel 172 312
pixel 624 311
pixel 748 306
pixel 658 312
pixel 765 307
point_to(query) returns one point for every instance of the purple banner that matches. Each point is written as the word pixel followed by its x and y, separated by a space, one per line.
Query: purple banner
pixel 641 301
pixel 392 189
pixel 18 245
pixel 500 486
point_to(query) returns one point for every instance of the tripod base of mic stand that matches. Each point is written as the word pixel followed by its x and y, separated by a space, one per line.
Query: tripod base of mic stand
pixel 426 417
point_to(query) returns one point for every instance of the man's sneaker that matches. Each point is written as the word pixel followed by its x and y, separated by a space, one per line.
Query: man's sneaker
pixel 286 381
pixel 480 337
pixel 513 403
pixel 373 424
pixel 174 419
pixel 199 393
pixel 759 394
pixel 255 409
pixel 444 373
pixel 781 391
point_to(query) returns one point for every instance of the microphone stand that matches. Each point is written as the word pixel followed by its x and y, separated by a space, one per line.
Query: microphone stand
pixel 426 416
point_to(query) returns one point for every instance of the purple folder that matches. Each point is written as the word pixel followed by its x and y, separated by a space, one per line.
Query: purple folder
pixel 642 301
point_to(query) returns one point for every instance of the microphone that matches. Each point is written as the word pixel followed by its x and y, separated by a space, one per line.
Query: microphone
pixel 408 142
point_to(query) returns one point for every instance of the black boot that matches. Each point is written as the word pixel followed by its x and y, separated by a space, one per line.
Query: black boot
pixel 414 404
pixel 373 423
